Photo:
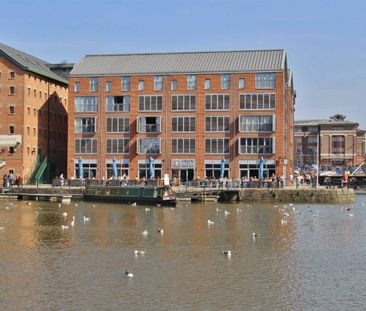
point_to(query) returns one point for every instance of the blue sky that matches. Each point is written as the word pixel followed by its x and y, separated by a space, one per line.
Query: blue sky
pixel 325 40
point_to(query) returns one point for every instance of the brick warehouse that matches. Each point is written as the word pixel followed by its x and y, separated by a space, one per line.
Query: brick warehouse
pixel 33 116
pixel 185 112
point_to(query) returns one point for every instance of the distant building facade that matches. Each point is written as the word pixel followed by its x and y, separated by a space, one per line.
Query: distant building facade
pixel 184 112
pixel 329 143
pixel 33 116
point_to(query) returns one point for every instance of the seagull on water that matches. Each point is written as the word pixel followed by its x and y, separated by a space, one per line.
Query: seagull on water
pixel 210 222
pixel 161 231
pixel 128 274
pixel 133 204
pixel 64 214
pixel 86 219
pixel 139 252
pixel 63 227
pixel 255 235
pixel 147 209
pixel 227 253
pixel 144 232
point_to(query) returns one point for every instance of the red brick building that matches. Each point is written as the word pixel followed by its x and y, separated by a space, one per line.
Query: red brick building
pixel 33 116
pixel 185 112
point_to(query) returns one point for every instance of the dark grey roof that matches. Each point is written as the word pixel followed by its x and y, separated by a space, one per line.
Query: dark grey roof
pixel 183 62
pixel 321 122
pixel 29 63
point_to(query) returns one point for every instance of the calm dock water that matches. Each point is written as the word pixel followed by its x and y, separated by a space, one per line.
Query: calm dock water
pixel 305 257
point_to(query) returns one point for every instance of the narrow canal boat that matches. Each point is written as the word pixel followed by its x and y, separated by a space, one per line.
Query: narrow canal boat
pixel 130 194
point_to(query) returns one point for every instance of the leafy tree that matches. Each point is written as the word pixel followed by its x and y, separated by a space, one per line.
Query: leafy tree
pixel 338 117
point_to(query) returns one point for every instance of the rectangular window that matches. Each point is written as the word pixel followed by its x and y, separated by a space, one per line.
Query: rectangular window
pixel 191 82
pixel 125 83
pixel 225 82
pixel 148 146
pixel 217 102
pixel 85 125
pixel 183 124
pixel 256 123
pixel 140 85
pixel 150 103
pixel 338 144
pixel 183 102
pixel 118 145
pixel 241 84
pixel 265 80
pixel 86 145
pixel 217 146
pixel 93 84
pixel 122 169
pixel 217 124
pixel 11 109
pixel 108 86
pixel 149 125
pixel 76 87
pixel 118 103
pixel 183 146
pixel 258 101
pixel 86 104
pixel 207 84
pixel 256 145
pixel 11 90
pixel 118 125
pixel 11 75
pixel 158 83
pixel 173 85
pixel 11 129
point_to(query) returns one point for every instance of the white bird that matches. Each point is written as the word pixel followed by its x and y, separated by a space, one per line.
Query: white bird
pixel 291 204
pixel 64 214
pixel 29 203
pixel 255 235
pixel 283 221
pixel 76 205
pixel 59 204
pixel 86 219
pixel 161 231
pixel 133 204
pixel 226 212
pixel 286 214
pixel 128 274
pixel 227 253
pixel 144 232
pixel 93 205
pixel 138 252
pixel 350 215
pixel 72 223
pixel 158 204
pixel 210 222
pixel 63 227
pixel 147 209
pixel 217 209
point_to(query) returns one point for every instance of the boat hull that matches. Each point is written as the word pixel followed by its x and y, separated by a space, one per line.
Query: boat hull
pixel 131 200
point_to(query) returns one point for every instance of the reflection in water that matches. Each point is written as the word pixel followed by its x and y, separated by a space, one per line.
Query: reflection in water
pixel 299 260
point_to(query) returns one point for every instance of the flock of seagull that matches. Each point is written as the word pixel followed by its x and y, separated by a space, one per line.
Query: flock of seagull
pixel 283 209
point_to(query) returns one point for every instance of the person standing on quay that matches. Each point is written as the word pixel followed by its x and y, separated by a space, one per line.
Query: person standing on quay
pixel 62 180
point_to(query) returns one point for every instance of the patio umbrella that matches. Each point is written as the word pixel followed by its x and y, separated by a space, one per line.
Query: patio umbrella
pixel 261 168
pixel 114 165
pixel 222 168
pixel 151 168
pixel 81 173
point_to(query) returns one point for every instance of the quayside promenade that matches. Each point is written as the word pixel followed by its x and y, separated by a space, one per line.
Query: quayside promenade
pixel 201 192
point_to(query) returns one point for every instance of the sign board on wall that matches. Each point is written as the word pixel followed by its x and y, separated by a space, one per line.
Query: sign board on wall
pixel 183 163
